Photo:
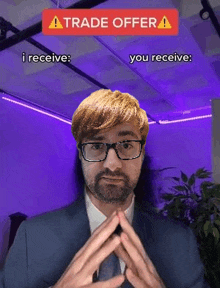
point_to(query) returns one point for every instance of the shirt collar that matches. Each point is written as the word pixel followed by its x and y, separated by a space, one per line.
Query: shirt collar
pixel 96 217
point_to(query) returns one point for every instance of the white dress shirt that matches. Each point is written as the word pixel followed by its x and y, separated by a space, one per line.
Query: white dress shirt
pixel 96 217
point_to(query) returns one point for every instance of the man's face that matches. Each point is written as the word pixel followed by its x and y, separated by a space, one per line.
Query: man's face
pixel 113 180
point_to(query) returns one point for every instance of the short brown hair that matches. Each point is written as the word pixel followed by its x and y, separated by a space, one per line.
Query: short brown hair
pixel 105 109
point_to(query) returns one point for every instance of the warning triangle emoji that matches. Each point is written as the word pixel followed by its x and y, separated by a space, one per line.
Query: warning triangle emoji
pixel 55 24
pixel 164 24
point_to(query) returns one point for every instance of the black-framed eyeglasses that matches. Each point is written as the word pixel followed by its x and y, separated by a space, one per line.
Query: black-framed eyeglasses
pixel 98 151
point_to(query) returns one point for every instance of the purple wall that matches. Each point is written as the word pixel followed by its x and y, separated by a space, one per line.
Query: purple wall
pixel 36 164
pixel 37 154
pixel 185 145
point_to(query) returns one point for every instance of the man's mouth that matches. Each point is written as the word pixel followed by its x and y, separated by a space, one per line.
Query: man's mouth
pixel 112 179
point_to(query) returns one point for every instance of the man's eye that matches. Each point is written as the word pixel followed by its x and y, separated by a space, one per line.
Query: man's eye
pixel 127 145
pixel 97 146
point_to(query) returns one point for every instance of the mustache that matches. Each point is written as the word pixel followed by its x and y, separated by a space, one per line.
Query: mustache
pixel 107 172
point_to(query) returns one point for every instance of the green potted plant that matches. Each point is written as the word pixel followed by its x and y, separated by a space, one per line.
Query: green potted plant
pixel 196 201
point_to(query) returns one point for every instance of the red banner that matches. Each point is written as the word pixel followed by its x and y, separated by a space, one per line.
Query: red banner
pixel 110 22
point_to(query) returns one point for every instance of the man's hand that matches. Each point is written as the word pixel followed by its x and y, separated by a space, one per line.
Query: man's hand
pixel 141 272
pixel 87 260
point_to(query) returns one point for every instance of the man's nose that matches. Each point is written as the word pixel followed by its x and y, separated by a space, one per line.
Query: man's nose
pixel 112 162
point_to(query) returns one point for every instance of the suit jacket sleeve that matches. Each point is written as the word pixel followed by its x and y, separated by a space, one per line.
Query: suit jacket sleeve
pixel 44 246
pixel 173 249
pixel 14 273
pixel 196 262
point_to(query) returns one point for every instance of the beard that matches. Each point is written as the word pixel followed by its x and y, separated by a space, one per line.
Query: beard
pixel 109 192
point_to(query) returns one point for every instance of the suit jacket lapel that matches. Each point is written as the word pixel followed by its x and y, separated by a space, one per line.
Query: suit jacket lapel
pixel 75 232
pixel 78 219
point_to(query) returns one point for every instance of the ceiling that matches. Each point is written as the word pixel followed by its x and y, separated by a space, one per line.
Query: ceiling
pixel 164 89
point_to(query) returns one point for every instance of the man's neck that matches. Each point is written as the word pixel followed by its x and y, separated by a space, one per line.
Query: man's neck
pixel 107 208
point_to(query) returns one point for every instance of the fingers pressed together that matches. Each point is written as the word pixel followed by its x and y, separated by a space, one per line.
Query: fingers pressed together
pixel 140 271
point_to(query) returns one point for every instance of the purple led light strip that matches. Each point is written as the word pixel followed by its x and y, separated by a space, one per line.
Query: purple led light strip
pixel 37 110
pixel 185 119
pixel 69 122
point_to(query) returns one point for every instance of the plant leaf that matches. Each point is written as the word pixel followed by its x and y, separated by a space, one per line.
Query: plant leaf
pixel 168 196
pixel 207 183
pixel 184 177
pixel 217 192
pixel 217 222
pixel 199 171
pixel 216 201
pixel 176 179
pixel 192 180
pixel 204 176
pixel 194 196
pixel 206 227
pixel 205 187
pixel 179 188
pixel 188 188
pixel 202 173
pixel 215 233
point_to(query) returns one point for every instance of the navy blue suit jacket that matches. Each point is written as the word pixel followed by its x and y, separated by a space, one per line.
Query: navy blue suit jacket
pixel 45 245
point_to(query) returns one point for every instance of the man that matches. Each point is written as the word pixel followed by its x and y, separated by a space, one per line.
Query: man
pixel 80 245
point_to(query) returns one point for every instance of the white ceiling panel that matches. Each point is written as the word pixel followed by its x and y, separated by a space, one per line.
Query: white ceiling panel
pixel 162 87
